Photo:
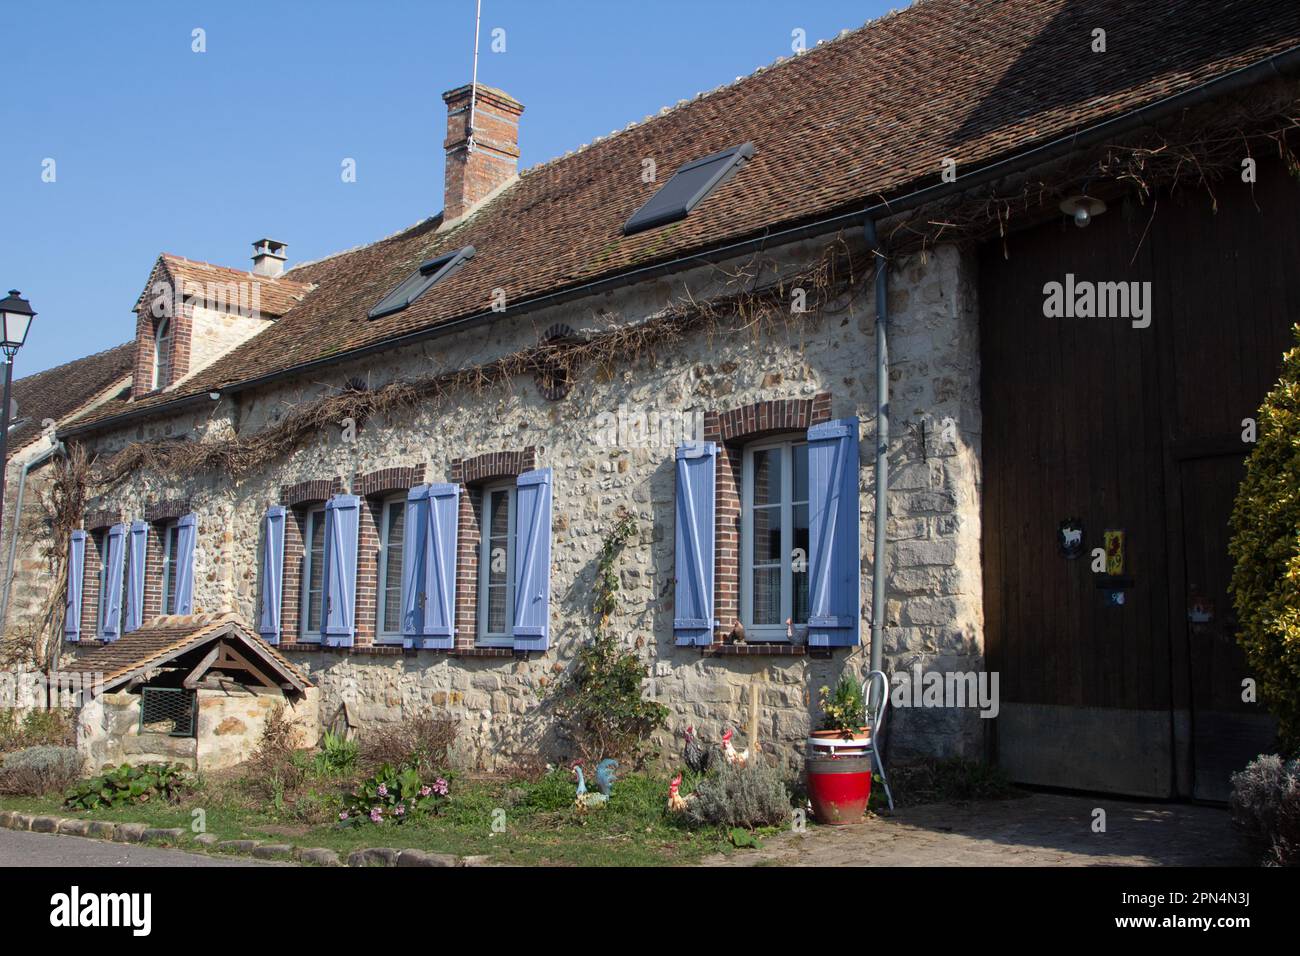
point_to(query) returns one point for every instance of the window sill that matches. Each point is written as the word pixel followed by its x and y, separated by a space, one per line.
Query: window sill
pixel 757 649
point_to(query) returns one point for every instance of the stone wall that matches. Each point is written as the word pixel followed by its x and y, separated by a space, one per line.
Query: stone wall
pixel 934 614
pixel 230 724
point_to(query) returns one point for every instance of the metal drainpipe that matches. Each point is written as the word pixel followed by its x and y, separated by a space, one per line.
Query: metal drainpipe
pixel 17 520
pixel 882 445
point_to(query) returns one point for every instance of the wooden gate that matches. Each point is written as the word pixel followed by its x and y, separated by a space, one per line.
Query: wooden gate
pixel 1130 683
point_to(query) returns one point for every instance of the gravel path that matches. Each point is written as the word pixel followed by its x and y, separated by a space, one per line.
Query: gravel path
pixel 1039 829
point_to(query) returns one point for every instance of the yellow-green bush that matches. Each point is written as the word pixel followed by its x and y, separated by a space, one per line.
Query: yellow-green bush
pixel 1265 550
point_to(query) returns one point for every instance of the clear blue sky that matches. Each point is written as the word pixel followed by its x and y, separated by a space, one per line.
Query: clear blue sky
pixel 158 148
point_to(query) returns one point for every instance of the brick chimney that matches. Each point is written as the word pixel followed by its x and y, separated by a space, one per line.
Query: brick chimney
pixel 472 175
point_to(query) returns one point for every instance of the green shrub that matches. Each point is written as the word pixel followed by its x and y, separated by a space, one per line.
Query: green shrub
pixel 556 790
pixel 53 728
pixel 392 797
pixel 599 701
pixel 735 796
pixel 1266 804
pixel 124 785
pixel 36 771
pixel 1265 548
pixel 337 755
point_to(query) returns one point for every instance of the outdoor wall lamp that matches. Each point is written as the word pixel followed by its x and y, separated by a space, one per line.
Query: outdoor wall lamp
pixel 1082 209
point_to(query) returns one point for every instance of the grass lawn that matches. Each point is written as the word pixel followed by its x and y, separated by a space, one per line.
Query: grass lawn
pixel 540 824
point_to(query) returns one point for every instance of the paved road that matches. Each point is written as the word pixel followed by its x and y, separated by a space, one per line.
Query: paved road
pixel 21 848
pixel 1041 829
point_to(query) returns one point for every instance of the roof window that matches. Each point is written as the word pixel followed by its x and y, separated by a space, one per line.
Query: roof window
pixel 413 286
pixel 688 187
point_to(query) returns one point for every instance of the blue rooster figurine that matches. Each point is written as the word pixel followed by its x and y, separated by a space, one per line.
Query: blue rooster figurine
pixel 605 775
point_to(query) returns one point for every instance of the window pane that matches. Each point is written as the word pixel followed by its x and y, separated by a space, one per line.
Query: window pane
pixel 799 462
pixel 767 595
pixel 392 583
pixel 316 578
pixel 499 573
pixel 799 563
pixel 767 476
pixel 767 535
pixel 126 583
pixel 169 570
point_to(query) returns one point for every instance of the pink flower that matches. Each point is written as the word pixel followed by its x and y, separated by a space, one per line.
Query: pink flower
pixel 343 815
pixel 425 791
pixel 383 790
pixel 440 786
pixel 400 811
pixel 376 815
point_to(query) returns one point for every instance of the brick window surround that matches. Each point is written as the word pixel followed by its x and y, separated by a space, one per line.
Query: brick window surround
pixel 732 430
pixel 146 331
pixel 90 583
pixel 298 499
pixel 374 488
pixel 472 474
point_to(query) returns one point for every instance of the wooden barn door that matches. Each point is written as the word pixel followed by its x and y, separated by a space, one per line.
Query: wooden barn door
pixel 1135 430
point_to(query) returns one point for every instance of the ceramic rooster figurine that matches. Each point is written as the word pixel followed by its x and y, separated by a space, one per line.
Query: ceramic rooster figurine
pixel 729 752
pixel 698 757
pixel 676 802
pixel 605 775
pixel 585 800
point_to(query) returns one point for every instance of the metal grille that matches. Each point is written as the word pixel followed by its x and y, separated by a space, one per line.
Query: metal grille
pixel 167 710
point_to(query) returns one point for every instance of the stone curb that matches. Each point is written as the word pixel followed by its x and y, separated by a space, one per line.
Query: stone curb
pixel 378 856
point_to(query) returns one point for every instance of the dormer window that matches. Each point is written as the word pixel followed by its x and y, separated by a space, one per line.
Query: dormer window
pixel 413 286
pixel 162 354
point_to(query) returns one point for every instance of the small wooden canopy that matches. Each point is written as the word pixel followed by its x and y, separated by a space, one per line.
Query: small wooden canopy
pixel 197 644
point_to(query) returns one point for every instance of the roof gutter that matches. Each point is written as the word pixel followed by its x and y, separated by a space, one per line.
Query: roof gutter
pixel 1279 64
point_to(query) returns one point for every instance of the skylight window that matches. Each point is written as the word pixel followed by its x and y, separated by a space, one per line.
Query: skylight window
pixel 688 187
pixel 413 286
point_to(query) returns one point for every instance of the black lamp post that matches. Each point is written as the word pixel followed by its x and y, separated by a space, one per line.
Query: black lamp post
pixel 15 319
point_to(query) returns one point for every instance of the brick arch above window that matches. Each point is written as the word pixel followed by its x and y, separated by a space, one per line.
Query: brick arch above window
pixel 767 417
pixel 387 481
pixel 497 464
pixel 166 510
pixel 102 518
pixel 310 492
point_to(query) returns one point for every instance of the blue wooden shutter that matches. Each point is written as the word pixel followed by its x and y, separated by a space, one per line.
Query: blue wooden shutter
pixel 415 538
pixel 185 532
pixel 268 614
pixel 834 579
pixel 76 571
pixel 110 598
pixel 342 525
pixel 532 624
pixel 135 553
pixel 440 567
pixel 697 464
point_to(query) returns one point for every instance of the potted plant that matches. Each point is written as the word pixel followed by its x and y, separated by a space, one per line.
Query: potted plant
pixel 838 764
pixel 842 731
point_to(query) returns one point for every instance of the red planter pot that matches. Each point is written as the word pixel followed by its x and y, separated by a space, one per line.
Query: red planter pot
pixel 839 788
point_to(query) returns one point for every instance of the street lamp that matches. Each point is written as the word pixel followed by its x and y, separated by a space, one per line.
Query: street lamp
pixel 15 319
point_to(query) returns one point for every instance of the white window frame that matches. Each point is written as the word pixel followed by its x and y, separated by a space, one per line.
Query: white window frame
pixel 310 517
pixel 769 632
pixel 382 570
pixel 165 328
pixel 506 639
pixel 169 531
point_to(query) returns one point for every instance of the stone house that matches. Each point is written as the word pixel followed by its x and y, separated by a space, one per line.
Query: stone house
pixel 41 404
pixel 401 466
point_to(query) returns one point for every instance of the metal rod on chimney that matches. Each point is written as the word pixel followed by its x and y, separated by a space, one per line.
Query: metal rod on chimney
pixel 473 88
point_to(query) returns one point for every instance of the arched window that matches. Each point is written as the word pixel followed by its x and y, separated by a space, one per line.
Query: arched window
pixel 162 354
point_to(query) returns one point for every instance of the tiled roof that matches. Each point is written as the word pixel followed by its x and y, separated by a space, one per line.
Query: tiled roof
pixel 866 115
pixel 165 638
pixel 58 392
pixel 276 296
